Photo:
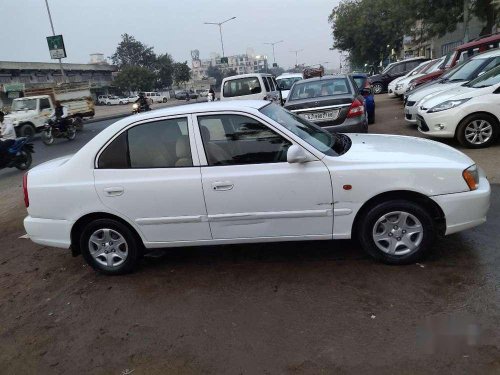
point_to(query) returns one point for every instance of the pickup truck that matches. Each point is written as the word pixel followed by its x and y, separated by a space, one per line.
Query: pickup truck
pixel 29 113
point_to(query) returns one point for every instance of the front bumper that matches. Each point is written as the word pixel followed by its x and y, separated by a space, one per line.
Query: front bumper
pixel 411 113
pixel 465 210
pixel 49 232
pixel 439 124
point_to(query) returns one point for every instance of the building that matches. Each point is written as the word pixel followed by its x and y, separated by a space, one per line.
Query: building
pixel 15 76
pixel 244 63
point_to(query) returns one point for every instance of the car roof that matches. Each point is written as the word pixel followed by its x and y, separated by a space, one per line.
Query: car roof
pixel 491 53
pixel 290 75
pixel 322 78
pixel 248 75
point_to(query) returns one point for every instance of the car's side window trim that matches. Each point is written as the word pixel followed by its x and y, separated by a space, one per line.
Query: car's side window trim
pixel 291 138
pixel 192 143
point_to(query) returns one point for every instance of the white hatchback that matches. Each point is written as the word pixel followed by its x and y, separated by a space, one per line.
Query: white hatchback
pixel 470 113
pixel 248 172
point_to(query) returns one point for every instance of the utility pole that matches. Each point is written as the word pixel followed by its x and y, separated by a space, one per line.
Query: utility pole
pixel 296 55
pixel 53 34
pixel 220 30
pixel 466 21
pixel 273 44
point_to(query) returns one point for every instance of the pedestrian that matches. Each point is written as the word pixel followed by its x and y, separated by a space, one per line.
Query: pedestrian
pixel 7 137
pixel 211 94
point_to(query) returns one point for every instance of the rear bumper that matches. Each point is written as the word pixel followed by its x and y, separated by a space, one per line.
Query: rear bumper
pixel 49 232
pixel 465 210
pixel 350 125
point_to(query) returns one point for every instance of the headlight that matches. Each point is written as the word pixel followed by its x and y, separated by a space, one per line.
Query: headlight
pixel 135 106
pixel 411 86
pixel 447 105
pixel 471 177
pixel 398 86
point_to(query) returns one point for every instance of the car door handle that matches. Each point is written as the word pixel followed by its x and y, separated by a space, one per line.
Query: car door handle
pixel 114 191
pixel 222 185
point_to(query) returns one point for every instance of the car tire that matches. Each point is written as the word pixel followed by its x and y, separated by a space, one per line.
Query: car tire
pixel 164 100
pixel 377 88
pixel 109 259
pixel 108 103
pixel 396 232
pixel 477 127
pixel 27 130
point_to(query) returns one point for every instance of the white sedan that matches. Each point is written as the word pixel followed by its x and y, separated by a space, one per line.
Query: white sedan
pixel 247 172
pixel 470 113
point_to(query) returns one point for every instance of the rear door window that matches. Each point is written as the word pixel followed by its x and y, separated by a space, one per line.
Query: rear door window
pixel 241 87
pixel 266 84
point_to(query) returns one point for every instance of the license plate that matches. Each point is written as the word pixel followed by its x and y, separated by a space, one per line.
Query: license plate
pixel 321 116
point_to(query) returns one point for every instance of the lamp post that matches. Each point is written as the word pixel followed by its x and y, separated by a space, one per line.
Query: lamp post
pixel 296 55
pixel 53 34
pixel 273 44
pixel 220 30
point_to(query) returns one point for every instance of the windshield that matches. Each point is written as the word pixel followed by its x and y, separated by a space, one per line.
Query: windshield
pixel 320 139
pixel 360 81
pixel 387 68
pixel 466 71
pixel 319 88
pixel 286 83
pixel 489 78
pixel 435 66
pixel 24 104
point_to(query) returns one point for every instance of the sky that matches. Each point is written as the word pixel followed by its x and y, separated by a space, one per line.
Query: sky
pixel 173 26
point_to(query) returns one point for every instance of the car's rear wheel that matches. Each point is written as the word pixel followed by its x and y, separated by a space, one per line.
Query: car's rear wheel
pixel 27 130
pixel 109 247
pixel 377 88
pixel 478 131
pixel 397 232
pixel 164 100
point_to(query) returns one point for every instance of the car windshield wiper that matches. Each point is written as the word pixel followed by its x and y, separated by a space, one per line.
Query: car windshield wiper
pixel 480 87
pixel 458 80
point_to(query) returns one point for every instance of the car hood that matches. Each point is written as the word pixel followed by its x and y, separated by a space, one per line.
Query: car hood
pixel 457 93
pixel 395 81
pixel 396 149
pixel 433 89
pixel 407 80
pixel 20 115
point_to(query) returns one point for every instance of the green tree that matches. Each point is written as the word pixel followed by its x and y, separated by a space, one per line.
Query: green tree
pixel 135 78
pixel 181 72
pixel 131 52
pixel 164 70
pixel 215 73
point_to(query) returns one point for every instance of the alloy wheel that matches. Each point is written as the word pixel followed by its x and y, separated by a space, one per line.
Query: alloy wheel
pixel 478 132
pixel 398 233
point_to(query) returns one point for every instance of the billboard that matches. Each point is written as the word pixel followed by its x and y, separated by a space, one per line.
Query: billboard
pixel 56 47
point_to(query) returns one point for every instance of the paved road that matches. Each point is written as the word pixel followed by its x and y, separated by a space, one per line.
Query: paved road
pixel 292 308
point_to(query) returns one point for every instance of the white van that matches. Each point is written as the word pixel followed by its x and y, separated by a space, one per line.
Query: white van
pixel 155 97
pixel 286 81
pixel 257 86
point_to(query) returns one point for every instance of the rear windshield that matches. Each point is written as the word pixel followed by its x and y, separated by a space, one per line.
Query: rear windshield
pixel 320 88
pixel 241 87
pixel 287 83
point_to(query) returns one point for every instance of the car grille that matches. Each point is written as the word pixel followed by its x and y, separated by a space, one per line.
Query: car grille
pixel 422 124
pixel 408 116
pixel 410 103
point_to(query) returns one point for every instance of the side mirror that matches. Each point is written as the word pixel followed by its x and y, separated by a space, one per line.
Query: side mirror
pixel 296 154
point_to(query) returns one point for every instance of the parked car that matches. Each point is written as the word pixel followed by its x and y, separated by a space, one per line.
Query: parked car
pixel 433 66
pixel 286 81
pixel 248 172
pixel 365 89
pixel 455 77
pixel 461 54
pixel 332 102
pixel 202 93
pixel 258 86
pixel 183 95
pixel 392 85
pixel 470 113
pixel 394 70
pixel 133 98
pixel 114 100
pixel 155 97
pixel 101 99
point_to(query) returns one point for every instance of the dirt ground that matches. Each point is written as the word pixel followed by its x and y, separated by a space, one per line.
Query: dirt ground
pixel 292 308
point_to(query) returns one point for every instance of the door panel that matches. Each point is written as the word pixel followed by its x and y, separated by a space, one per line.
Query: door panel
pixel 268 200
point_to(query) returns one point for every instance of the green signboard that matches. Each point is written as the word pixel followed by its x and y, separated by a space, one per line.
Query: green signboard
pixel 56 47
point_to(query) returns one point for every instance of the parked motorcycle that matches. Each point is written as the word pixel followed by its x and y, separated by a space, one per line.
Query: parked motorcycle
pixel 53 130
pixel 136 108
pixel 18 155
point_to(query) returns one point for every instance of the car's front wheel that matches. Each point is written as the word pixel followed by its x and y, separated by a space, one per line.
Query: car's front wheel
pixel 377 88
pixel 397 232
pixel 478 131
pixel 109 247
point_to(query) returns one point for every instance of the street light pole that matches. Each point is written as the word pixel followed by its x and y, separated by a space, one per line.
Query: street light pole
pixel 296 55
pixel 273 44
pixel 53 34
pixel 220 30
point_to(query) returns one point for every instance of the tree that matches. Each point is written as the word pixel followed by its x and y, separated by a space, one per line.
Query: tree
pixel 215 73
pixel 131 52
pixel 181 72
pixel 135 78
pixel 164 70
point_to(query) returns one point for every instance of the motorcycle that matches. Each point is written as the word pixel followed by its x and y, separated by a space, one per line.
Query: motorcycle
pixel 136 108
pixel 54 129
pixel 210 97
pixel 18 155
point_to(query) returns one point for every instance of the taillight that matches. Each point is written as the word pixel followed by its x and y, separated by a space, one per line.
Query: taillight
pixel 357 109
pixel 25 190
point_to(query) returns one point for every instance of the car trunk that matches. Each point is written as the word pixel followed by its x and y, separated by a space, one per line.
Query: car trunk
pixel 315 106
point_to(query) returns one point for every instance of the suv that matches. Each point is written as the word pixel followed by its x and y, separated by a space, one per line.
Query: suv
pixel 257 86
pixel 393 71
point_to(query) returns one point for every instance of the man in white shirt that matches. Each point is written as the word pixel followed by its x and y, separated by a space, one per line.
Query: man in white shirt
pixel 7 136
